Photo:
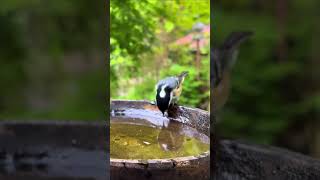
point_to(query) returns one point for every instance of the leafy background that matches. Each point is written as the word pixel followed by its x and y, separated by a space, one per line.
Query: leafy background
pixel 52 60
pixel 143 49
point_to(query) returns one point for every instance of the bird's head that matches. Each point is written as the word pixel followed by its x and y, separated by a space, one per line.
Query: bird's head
pixel 163 97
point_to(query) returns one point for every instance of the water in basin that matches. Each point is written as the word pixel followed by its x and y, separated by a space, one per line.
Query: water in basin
pixel 139 139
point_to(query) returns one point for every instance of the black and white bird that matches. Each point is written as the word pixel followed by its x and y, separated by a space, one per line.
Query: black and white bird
pixel 169 91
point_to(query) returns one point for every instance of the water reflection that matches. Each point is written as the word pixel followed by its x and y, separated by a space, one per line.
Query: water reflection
pixel 136 139
pixel 171 137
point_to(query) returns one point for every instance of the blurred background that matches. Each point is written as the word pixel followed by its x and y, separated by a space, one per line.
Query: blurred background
pixel 52 63
pixel 153 39
pixel 275 94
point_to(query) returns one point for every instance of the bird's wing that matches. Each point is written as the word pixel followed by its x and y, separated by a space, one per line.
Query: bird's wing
pixel 171 82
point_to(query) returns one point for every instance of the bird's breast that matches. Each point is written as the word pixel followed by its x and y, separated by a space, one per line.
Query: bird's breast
pixel 177 91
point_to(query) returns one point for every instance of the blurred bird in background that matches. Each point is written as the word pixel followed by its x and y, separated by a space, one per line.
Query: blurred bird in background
pixel 169 91
pixel 222 60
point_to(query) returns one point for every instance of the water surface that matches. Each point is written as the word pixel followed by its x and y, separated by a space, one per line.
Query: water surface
pixel 140 139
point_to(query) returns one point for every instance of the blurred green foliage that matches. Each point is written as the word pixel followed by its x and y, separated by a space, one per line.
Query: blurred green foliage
pixel 52 64
pixel 270 94
pixel 143 49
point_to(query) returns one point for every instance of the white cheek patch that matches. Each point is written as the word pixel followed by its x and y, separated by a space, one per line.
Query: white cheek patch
pixel 162 92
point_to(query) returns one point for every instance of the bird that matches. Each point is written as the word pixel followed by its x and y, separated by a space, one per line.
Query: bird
pixel 222 60
pixel 168 91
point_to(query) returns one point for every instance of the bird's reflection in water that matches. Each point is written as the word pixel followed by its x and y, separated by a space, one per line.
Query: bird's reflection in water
pixel 171 137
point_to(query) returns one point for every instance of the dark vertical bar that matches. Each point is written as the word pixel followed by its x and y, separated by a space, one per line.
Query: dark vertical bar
pixel 108 87
pixel 213 141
